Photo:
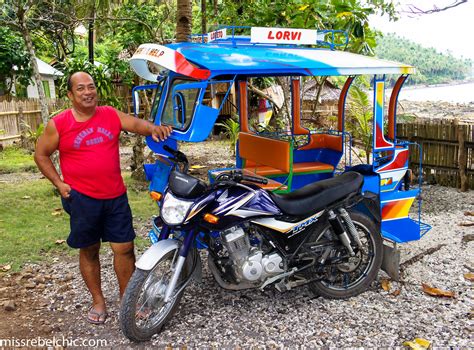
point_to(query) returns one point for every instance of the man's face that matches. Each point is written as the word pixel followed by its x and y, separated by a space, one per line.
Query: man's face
pixel 83 94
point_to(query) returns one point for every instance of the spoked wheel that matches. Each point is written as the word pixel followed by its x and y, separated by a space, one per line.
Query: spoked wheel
pixel 355 274
pixel 143 311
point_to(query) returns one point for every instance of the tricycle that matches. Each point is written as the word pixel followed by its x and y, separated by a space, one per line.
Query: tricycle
pixel 293 211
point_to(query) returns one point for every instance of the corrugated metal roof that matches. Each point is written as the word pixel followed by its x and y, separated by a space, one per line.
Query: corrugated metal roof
pixel 47 69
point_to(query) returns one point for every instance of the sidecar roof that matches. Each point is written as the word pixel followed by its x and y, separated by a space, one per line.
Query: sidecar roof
pixel 239 56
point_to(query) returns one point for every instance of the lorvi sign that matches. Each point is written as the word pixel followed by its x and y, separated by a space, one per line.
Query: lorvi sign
pixel 259 35
pixel 218 34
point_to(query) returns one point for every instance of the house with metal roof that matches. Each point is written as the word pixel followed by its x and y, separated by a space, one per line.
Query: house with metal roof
pixel 48 76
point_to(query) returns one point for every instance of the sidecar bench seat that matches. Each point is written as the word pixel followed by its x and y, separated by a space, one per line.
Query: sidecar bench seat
pixel 318 195
pixel 306 167
pixel 276 159
pixel 272 157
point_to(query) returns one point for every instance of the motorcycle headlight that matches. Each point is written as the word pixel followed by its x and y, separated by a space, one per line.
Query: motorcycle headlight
pixel 174 210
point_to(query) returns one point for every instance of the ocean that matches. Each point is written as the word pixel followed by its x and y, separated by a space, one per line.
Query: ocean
pixel 460 93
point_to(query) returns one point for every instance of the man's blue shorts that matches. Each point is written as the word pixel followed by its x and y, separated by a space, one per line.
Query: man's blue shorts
pixel 94 220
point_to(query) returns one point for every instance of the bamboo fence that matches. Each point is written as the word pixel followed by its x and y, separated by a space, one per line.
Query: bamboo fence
pixel 448 151
pixel 16 116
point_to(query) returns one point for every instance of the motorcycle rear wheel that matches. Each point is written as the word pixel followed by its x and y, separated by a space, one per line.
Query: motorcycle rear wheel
pixel 143 312
pixel 353 277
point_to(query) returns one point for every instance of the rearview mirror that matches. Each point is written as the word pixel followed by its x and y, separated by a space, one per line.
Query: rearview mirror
pixel 136 96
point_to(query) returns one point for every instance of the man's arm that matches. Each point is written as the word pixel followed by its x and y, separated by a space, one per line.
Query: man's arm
pixel 47 144
pixel 144 127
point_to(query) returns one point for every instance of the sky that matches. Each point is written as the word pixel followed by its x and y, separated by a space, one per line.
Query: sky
pixel 451 30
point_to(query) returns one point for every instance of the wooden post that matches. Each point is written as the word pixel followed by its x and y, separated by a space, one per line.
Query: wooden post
pixel 462 159
pixel 21 120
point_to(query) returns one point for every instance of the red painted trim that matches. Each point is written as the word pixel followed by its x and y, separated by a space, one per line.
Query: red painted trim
pixel 399 162
pixel 342 102
pixel 380 141
pixel 243 106
pixel 296 107
pixel 393 106
pixel 183 66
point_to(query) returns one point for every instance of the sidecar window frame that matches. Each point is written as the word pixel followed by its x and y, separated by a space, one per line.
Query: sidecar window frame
pixel 167 115
pixel 155 107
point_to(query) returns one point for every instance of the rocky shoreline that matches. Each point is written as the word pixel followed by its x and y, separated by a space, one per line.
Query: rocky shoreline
pixel 464 112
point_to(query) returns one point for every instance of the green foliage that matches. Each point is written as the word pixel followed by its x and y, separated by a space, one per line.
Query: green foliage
pixel 263 82
pixel 351 16
pixel 31 221
pixel 101 77
pixel 13 54
pixel 49 23
pixel 231 130
pixel 30 135
pixel 118 69
pixel 14 159
pixel 432 67
pixel 149 22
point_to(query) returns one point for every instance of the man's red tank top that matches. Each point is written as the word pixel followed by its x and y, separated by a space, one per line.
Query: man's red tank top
pixel 89 153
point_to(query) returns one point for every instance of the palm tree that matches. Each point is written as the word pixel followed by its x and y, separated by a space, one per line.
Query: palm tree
pixel 184 20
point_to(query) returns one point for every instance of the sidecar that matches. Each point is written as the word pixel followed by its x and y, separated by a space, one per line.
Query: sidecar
pixel 193 82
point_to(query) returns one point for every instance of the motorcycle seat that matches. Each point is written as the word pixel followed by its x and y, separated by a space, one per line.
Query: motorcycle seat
pixel 316 196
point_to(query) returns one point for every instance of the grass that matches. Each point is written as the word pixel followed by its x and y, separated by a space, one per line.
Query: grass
pixel 30 224
pixel 14 159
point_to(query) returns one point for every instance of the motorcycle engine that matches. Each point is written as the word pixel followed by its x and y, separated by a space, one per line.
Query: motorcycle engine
pixel 249 262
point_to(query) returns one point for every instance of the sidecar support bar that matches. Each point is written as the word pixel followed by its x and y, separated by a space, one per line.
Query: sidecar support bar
pixel 391 261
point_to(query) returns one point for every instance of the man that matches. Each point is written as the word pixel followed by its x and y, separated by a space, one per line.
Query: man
pixel 92 188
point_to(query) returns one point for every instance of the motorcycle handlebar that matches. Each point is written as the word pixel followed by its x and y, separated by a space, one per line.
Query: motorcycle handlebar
pixel 237 176
pixel 254 179
pixel 180 156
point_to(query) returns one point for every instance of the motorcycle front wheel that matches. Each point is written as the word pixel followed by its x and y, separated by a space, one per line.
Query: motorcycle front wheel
pixel 353 276
pixel 143 311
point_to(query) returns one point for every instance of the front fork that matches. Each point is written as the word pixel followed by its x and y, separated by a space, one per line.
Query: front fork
pixel 183 253
pixel 338 227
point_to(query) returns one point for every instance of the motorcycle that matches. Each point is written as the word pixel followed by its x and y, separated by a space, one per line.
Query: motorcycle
pixel 325 235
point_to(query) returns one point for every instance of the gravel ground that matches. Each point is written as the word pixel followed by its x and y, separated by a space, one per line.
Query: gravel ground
pixel 212 317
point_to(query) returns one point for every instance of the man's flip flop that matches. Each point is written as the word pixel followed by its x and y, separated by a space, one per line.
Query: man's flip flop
pixel 96 317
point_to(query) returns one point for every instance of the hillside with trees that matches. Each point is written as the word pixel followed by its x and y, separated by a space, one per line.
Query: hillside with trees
pixel 432 66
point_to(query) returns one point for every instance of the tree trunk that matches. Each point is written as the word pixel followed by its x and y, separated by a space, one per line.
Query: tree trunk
pixel 138 158
pixel 462 159
pixel 39 85
pixel 319 88
pixel 90 39
pixel 286 108
pixel 36 74
pixel 138 154
pixel 203 17
pixel 184 20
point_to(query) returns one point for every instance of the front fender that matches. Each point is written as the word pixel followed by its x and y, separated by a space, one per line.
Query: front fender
pixel 153 254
